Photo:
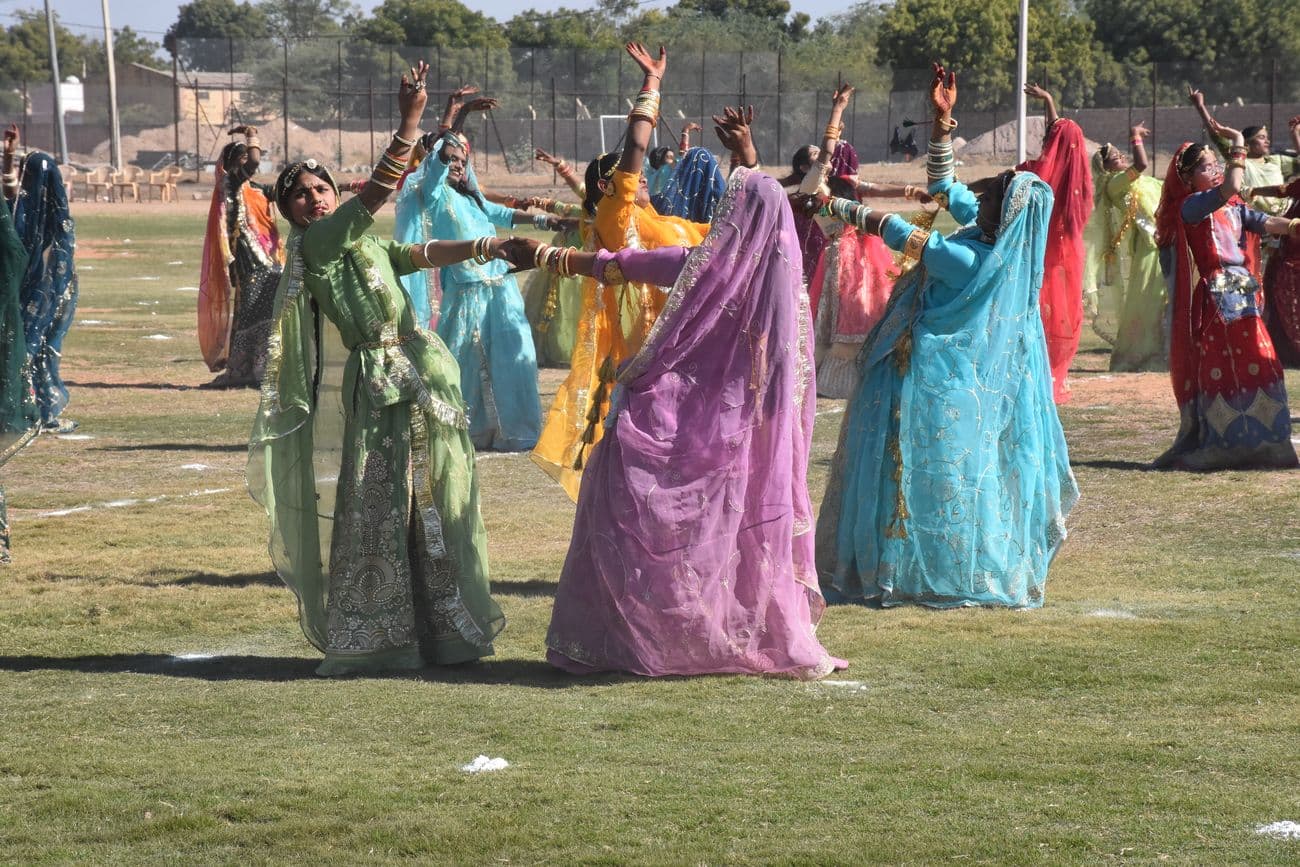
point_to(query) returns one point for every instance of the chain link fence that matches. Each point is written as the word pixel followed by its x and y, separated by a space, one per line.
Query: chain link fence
pixel 335 99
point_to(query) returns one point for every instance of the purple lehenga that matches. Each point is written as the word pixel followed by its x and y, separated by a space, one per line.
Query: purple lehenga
pixel 692 549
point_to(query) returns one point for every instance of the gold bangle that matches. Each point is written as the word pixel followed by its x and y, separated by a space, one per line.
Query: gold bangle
pixel 1236 164
pixel 409 142
pixel 915 243
pixel 1293 227
pixel 909 192
pixel 833 131
pixel 948 123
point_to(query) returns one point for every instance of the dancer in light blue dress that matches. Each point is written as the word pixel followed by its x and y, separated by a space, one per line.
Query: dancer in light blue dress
pixel 482 318
pixel 951 482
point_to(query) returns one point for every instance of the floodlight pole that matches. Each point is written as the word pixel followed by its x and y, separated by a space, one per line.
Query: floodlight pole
pixel 1022 77
pixel 114 129
pixel 59 130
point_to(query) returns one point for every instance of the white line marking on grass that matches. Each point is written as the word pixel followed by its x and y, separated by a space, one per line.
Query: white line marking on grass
pixel 177 262
pixel 1280 830
pixel 835 410
pixel 193 656
pixel 484 456
pixel 1113 613
pixel 121 504
pixel 195 467
pixel 1291 555
pixel 93 322
pixel 146 279
pixel 851 685
pixel 482 764
pixel 74 437
pixel 85 267
pixel 157 337
pixel 187 288
pixel 145 303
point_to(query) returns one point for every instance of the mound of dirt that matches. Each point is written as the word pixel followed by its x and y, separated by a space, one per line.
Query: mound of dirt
pixel 1001 141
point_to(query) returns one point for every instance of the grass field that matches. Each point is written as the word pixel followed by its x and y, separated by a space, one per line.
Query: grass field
pixel 158 702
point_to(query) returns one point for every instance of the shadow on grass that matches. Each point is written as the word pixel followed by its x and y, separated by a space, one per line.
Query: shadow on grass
pixel 148 386
pixel 525 588
pixel 176 447
pixel 246 579
pixel 507 672
pixel 1106 464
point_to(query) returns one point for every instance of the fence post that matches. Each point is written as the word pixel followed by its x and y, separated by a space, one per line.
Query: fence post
pixel 370 102
pixel 198 150
pixel 230 58
pixel 703 55
pixel 1272 93
pixel 487 88
pixel 532 100
pixel 389 86
pixel 338 100
pixel 284 101
pixel 780 54
pixel 1155 85
pixel 889 122
pixel 176 111
pixel 574 57
pixel 555 144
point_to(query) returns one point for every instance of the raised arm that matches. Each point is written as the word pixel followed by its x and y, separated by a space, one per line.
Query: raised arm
pixel 1049 104
pixel 684 140
pixel 1235 167
pixel 455 101
pixel 253 150
pixel 734 130
pixel 1135 140
pixel 830 140
pixel 566 173
pixel 871 190
pixel 392 163
pixel 645 112
pixel 1212 126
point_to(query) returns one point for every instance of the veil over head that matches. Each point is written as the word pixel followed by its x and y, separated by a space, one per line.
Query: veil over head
pixel 695 188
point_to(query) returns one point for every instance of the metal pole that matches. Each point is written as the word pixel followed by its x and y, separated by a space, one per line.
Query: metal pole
pixel 703 55
pixel 27 109
pixel 370 102
pixel 889 123
pixel 60 132
pixel 779 116
pixel 1155 85
pixel 176 111
pixel 487 88
pixel 1272 93
pixel 532 100
pixel 1022 76
pixel 554 139
pixel 284 101
pixel 574 57
pixel 114 129
pixel 339 101
pixel 198 150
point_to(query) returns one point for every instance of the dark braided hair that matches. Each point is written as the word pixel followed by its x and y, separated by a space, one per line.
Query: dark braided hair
pixel 599 169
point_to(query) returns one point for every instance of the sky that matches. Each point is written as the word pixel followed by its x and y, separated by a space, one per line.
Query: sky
pixel 151 18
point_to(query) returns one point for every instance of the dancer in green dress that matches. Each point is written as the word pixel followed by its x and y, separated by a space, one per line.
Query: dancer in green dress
pixel 360 451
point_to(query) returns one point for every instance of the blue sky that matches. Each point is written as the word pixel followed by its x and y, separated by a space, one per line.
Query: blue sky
pixel 152 17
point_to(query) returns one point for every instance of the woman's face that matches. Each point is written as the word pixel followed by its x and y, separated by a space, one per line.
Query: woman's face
pixel 1116 161
pixel 989 215
pixel 310 199
pixel 1207 173
pixel 1258 145
pixel 642 193
pixel 455 158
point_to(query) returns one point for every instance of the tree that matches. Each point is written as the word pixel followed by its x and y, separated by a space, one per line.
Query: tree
pixel 582 30
pixel 979 41
pixel 440 22
pixel 304 19
pixel 199 35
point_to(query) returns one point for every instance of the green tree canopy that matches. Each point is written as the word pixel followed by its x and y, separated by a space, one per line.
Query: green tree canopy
pixel 198 36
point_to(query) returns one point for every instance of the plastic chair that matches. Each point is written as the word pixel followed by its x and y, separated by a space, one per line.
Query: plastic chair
pixel 158 181
pixel 173 177
pixel 98 178
pixel 70 175
pixel 128 179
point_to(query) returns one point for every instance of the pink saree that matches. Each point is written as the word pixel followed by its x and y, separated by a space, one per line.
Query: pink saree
pixel 692 549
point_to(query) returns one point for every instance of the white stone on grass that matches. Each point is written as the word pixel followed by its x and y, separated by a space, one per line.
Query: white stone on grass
pixel 482 764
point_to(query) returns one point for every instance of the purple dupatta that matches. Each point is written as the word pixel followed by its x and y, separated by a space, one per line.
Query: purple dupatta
pixel 692 550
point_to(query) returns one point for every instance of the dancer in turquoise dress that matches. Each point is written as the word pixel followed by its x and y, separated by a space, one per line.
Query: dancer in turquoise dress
pixel 482 320
pixel 951 482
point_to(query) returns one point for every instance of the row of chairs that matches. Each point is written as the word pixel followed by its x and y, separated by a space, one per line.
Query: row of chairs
pixel 115 186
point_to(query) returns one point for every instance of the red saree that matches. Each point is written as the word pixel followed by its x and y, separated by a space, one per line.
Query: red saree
pixel 1063 164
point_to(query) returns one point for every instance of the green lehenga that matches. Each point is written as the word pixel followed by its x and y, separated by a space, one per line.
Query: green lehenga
pixel 361 456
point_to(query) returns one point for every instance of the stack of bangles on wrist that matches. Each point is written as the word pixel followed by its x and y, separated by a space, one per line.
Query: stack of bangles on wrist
pixel 1293 227
pixel 251 142
pixel 939 160
pixel 646 106
pixel 562 169
pixel 481 250
pixel 832 132
pixel 392 164
pixel 847 211
pixel 554 259
pixel 910 192
pixel 542 221
pixel 10 179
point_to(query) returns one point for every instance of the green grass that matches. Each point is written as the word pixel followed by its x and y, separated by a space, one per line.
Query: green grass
pixel 1148 712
